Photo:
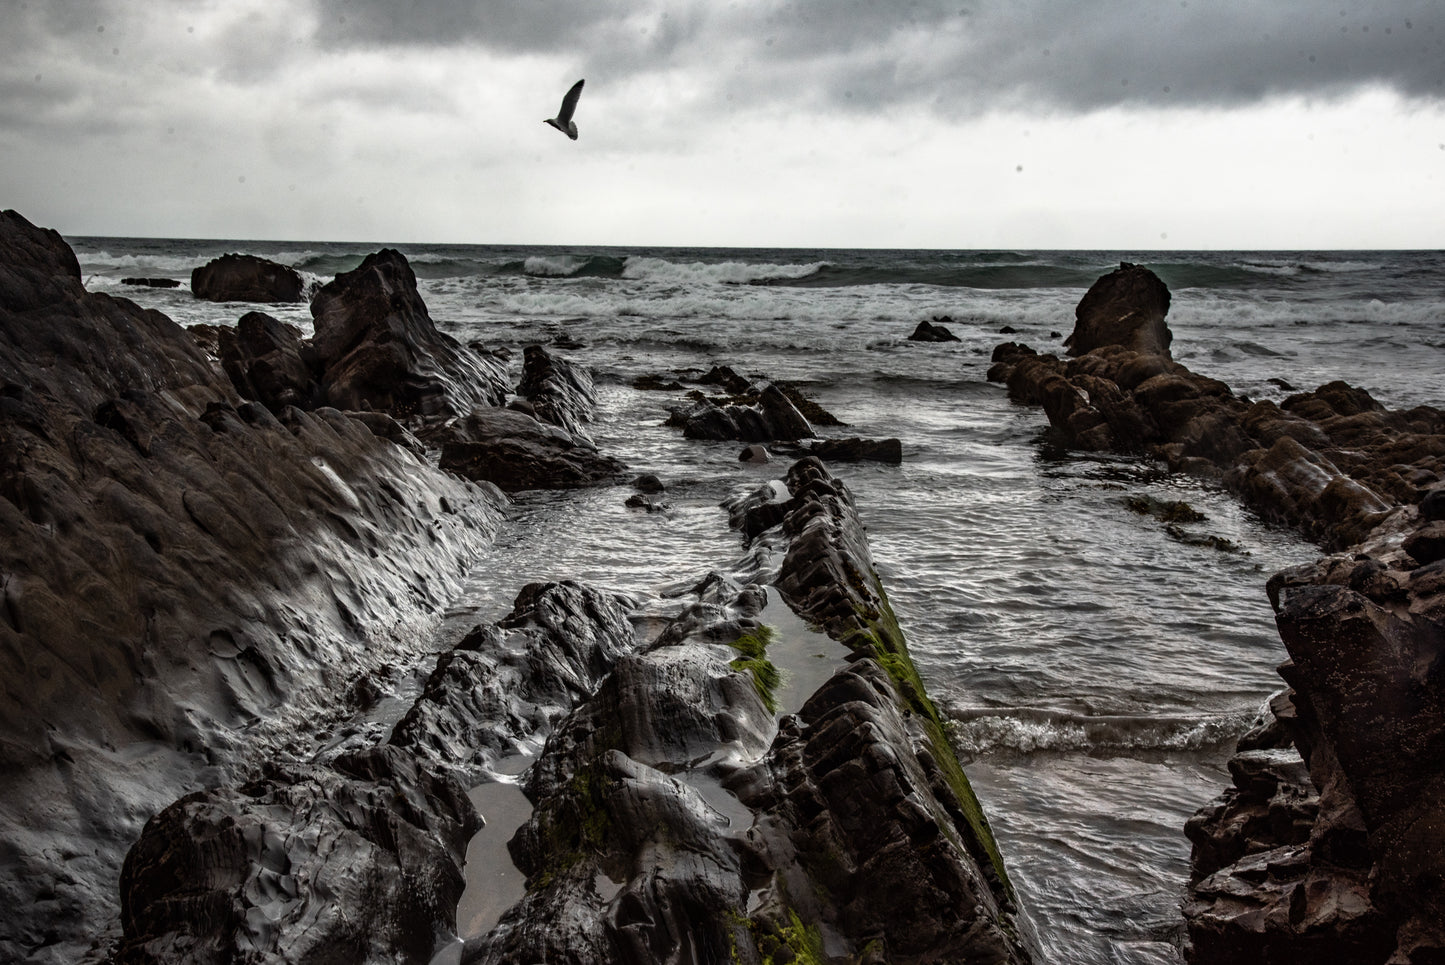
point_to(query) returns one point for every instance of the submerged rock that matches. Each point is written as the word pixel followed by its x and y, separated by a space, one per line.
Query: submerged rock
pixel 151 282
pixel 933 332
pixel 246 278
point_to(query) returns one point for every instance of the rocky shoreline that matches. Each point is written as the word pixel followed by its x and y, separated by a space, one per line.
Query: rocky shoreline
pixel 1329 847
pixel 228 542
pixel 218 562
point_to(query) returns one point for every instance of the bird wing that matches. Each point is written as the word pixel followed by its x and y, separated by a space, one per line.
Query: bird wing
pixel 569 103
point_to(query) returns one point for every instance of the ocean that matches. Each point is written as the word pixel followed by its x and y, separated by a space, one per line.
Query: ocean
pixel 1096 664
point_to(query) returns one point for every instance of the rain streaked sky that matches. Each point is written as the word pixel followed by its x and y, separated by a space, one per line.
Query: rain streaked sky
pixel 817 123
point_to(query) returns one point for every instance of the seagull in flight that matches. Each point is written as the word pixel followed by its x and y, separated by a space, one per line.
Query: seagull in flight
pixel 563 120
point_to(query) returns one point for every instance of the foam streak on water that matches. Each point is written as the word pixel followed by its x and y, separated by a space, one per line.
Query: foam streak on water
pixel 1096 668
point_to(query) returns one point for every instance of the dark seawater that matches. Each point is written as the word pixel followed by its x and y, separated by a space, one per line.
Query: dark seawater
pixel 1096 668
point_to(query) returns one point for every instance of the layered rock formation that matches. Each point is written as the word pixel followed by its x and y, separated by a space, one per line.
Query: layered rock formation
pixel 190 581
pixel 246 278
pixel 1329 846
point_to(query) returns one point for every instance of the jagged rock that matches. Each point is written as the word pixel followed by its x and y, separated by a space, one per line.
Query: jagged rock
pixel 730 381
pixel 1332 462
pixel 379 349
pixel 932 332
pixel 1347 866
pixel 1358 882
pixel 246 278
pixel 1125 307
pixel 151 282
pixel 359 860
pixel 178 564
pixel 269 362
pixel 516 452
pixel 773 417
pixel 559 391
pixel 509 684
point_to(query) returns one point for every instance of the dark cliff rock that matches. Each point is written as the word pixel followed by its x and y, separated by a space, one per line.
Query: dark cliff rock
pixel 379 349
pixel 189 579
pixel 515 452
pixel 246 278
pixel 1332 462
pixel 1328 847
pixel 933 332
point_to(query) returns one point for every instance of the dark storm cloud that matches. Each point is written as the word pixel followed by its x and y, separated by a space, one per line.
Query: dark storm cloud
pixel 962 57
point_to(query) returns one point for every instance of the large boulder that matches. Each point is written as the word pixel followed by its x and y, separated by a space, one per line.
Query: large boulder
pixel 1126 308
pixel 190 581
pixel 246 278
pixel 379 349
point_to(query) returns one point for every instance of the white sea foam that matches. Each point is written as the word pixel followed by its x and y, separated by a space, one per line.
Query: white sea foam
pixel 1024 731
pixel 709 273
pixel 553 266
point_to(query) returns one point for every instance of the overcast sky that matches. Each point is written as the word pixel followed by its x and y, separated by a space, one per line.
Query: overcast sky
pixel 817 123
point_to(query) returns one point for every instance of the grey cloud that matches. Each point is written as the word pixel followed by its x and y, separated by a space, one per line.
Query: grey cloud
pixel 962 57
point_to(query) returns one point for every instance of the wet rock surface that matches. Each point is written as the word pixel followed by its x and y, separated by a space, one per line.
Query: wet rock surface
pixel 246 278
pixel 1332 462
pixel 772 416
pixel 190 580
pixel 1329 845
pixel 357 860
